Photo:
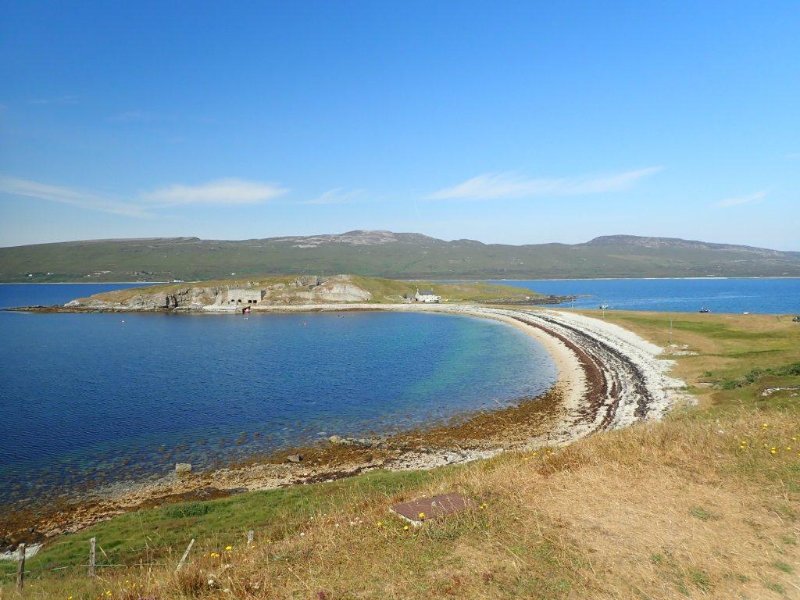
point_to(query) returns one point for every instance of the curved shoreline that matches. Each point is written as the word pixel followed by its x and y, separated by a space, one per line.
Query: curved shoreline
pixel 607 378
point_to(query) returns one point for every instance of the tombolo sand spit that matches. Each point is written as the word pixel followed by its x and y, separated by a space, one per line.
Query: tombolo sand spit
pixel 608 378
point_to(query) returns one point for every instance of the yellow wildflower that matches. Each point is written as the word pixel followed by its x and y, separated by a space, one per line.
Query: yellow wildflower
pixel 228 548
pixel 421 516
pixel 483 505
pixel 405 527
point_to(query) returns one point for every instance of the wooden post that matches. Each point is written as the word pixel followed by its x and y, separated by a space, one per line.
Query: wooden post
pixel 185 555
pixel 92 556
pixel 250 535
pixel 20 566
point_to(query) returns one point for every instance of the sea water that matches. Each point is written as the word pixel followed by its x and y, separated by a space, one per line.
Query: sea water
pixel 91 399
pixel 718 295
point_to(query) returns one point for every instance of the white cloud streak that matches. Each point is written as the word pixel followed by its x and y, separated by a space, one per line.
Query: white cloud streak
pixel 134 116
pixel 64 195
pixel 336 196
pixel 741 200
pixel 64 100
pixel 491 186
pixel 220 192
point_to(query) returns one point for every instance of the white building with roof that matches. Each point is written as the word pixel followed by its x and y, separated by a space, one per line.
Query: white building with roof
pixel 427 296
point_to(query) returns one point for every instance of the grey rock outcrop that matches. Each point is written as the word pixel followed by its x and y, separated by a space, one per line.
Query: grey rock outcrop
pixel 306 289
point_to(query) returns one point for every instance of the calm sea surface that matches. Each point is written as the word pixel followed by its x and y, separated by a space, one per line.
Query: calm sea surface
pixel 769 296
pixel 89 399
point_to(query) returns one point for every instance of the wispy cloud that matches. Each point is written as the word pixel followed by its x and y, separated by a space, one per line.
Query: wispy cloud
pixel 71 196
pixel 740 200
pixel 336 196
pixel 221 191
pixel 512 185
pixel 134 116
pixel 57 100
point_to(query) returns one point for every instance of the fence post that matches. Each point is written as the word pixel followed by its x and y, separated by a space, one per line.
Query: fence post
pixel 92 556
pixel 185 555
pixel 250 535
pixel 20 566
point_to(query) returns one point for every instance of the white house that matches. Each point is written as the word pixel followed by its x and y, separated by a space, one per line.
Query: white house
pixel 245 296
pixel 427 296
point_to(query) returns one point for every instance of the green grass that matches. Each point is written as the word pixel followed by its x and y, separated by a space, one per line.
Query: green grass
pixel 698 512
pixel 775 587
pixel 163 533
pixel 782 566
pixel 700 579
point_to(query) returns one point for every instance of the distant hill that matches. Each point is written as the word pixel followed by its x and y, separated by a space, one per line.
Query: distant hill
pixel 386 254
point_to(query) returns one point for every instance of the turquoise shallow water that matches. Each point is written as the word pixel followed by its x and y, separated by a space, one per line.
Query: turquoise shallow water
pixel 89 399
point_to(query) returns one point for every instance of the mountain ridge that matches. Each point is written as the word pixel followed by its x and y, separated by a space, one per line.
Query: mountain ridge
pixel 387 254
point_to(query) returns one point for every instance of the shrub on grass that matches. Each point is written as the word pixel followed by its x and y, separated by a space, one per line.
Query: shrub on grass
pixel 190 581
pixel 189 509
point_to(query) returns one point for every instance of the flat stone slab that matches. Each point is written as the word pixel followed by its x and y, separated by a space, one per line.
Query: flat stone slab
pixel 435 507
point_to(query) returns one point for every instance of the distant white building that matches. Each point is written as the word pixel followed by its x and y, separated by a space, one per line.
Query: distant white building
pixel 427 296
pixel 245 296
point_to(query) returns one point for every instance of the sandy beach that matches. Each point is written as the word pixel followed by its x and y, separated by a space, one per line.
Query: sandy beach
pixel 607 378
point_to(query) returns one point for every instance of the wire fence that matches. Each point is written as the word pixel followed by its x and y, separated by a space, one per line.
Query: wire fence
pixel 92 565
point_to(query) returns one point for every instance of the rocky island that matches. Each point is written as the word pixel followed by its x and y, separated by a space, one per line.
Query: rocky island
pixel 292 292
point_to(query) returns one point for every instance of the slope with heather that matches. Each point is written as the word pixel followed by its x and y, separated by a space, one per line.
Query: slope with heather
pixel 386 254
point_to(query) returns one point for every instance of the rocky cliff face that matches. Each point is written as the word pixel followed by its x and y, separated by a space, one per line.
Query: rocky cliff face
pixel 336 289
pixel 187 298
pixel 303 290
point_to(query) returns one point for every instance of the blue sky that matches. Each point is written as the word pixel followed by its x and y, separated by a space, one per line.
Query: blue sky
pixel 510 122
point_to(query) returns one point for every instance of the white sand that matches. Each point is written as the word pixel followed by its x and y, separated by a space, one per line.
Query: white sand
pixel 622 356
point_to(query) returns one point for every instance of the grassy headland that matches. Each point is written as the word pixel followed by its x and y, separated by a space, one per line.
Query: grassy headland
pixel 293 290
pixel 702 504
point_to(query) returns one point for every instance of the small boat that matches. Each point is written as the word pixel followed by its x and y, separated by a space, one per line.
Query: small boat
pixel 604 307
pixel 705 310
